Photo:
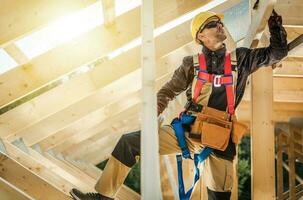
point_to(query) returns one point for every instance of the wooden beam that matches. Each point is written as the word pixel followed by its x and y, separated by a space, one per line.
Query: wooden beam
pixel 86 48
pixel 19 18
pixel 107 140
pixel 295 16
pixel 94 143
pixel 38 168
pixel 108 11
pixel 77 178
pixel 290 67
pixel 71 136
pixel 259 19
pixel 16 54
pixel 25 180
pixel 10 192
pixel 149 149
pixel 81 137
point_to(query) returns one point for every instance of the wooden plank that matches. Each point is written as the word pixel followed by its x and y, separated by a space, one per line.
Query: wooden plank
pixel 279 167
pixel 19 18
pixel 82 180
pixel 86 48
pixel 39 168
pixel 259 19
pixel 16 54
pixel 28 182
pixel 289 67
pixel 77 139
pixel 108 7
pixel 10 192
pixel 291 164
pixel 295 16
pixel 60 142
pixel 149 140
pixel 263 165
pixel 132 124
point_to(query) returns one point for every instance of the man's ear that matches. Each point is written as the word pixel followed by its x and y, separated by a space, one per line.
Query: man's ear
pixel 199 38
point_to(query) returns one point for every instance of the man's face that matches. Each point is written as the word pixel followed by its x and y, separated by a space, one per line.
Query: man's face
pixel 213 32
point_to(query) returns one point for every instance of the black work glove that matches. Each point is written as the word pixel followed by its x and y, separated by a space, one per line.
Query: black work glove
pixel 274 21
pixel 276 29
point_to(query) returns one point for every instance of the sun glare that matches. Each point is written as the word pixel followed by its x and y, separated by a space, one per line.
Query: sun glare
pixel 69 27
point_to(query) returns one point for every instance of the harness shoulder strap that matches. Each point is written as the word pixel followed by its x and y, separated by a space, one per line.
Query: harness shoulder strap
pixel 229 87
pixel 199 83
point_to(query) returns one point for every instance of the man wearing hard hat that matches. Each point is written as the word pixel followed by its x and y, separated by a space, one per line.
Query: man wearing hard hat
pixel 214 81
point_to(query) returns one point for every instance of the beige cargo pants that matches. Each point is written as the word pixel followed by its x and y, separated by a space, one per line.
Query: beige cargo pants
pixel 218 172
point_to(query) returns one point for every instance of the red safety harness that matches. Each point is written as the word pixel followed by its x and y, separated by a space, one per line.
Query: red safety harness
pixel 217 80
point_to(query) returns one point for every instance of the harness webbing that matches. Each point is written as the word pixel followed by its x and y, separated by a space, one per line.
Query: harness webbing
pixel 185 119
pixel 177 124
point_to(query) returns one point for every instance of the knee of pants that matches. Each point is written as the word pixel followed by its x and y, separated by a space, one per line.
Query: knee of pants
pixel 213 195
pixel 127 148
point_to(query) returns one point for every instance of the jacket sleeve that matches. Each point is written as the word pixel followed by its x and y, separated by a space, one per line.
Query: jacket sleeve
pixel 179 82
pixel 249 60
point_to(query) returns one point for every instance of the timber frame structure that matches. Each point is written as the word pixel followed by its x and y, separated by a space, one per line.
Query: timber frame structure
pixel 62 111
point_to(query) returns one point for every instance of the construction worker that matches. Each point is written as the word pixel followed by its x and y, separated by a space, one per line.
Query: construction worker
pixel 207 30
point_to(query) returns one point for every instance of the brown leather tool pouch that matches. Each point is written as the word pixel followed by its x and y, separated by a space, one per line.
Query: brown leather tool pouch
pixel 238 130
pixel 212 128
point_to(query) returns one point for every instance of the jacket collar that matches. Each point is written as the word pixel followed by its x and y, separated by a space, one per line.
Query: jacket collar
pixel 219 52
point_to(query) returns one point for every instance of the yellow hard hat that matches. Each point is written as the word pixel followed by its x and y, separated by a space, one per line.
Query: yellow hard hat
pixel 202 19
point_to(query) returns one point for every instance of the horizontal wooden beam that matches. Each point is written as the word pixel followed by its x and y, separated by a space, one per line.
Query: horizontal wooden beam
pixel 19 18
pixel 295 16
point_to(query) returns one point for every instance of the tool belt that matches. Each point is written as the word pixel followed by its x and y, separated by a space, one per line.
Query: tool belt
pixel 213 128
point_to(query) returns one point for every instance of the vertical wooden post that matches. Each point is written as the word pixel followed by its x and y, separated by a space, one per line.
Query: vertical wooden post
pixel 280 166
pixel 291 164
pixel 263 138
pixel 150 171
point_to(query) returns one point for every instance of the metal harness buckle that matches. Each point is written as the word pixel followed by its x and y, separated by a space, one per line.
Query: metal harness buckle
pixel 216 81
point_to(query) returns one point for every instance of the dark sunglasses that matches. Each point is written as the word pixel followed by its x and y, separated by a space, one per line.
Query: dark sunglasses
pixel 212 24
